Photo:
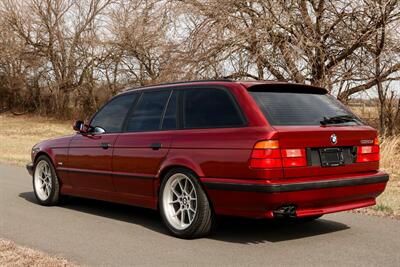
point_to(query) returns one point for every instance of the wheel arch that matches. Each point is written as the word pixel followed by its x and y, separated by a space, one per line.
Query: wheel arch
pixel 165 169
pixel 42 153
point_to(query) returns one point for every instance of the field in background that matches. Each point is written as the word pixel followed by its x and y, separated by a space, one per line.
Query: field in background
pixel 14 255
pixel 19 133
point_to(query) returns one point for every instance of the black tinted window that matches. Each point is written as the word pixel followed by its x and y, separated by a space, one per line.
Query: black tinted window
pixel 112 115
pixel 169 122
pixel 148 112
pixel 290 108
pixel 205 108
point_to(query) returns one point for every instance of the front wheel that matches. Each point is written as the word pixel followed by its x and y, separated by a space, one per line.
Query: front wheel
pixel 45 182
pixel 184 206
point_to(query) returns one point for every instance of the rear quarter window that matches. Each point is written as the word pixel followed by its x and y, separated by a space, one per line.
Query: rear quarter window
pixel 210 108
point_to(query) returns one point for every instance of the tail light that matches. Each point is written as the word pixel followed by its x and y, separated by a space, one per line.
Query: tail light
pixel 267 154
pixel 368 153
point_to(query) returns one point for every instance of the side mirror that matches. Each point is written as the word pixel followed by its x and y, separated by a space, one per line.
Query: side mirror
pixel 80 127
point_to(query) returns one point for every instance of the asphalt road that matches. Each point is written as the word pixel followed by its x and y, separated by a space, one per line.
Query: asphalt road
pixel 96 233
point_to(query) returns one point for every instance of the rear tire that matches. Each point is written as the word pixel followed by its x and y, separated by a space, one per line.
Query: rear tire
pixel 184 206
pixel 45 182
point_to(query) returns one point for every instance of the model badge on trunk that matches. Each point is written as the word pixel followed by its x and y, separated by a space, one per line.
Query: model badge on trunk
pixel 367 142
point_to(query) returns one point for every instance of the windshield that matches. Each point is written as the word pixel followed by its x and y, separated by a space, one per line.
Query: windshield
pixel 295 108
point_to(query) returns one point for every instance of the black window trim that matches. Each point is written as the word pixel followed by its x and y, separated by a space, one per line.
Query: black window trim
pixel 213 87
pixel 165 111
pixel 180 107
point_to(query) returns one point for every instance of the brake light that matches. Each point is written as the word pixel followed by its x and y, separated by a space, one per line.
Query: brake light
pixel 267 154
pixel 368 153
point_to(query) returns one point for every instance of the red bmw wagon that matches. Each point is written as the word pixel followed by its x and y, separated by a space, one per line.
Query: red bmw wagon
pixel 194 150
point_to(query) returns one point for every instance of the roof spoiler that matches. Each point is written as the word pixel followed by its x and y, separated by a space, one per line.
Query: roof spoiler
pixel 287 88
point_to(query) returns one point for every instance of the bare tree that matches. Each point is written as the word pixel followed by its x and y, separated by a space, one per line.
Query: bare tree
pixel 66 56
pixel 297 40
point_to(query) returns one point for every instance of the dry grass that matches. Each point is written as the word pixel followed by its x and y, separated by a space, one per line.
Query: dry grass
pixel 388 204
pixel 14 255
pixel 19 133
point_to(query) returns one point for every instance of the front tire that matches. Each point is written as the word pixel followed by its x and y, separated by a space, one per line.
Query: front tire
pixel 184 206
pixel 45 182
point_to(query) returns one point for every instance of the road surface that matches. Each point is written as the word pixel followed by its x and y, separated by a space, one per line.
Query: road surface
pixel 96 233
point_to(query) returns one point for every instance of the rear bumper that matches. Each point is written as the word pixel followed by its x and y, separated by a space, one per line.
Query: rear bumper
pixel 29 168
pixel 258 198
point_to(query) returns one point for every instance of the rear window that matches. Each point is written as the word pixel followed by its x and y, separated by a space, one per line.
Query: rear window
pixel 297 108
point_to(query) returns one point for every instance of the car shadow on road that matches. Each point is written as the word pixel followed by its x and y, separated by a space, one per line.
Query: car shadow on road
pixel 230 229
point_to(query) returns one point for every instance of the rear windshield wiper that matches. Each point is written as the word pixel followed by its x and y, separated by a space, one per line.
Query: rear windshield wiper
pixel 338 119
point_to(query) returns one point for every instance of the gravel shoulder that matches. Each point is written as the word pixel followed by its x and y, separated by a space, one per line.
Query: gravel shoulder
pixel 14 255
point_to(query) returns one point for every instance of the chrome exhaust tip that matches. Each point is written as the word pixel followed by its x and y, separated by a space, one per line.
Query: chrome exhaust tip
pixel 285 211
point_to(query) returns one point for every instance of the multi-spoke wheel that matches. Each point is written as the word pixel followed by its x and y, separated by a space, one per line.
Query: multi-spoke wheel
pixel 184 205
pixel 45 182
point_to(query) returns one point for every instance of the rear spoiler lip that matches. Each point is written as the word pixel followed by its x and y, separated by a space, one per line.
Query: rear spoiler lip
pixel 285 87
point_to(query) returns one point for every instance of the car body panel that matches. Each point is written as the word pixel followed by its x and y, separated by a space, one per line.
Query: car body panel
pixel 136 163
pixel 259 204
pixel 130 170
pixel 89 164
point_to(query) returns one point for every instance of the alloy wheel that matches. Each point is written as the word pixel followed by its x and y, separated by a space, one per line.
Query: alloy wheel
pixel 43 180
pixel 180 201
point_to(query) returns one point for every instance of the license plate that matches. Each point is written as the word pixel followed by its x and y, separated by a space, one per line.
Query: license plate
pixel 331 157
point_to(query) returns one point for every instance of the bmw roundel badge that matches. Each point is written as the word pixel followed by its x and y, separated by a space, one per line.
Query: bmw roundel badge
pixel 333 139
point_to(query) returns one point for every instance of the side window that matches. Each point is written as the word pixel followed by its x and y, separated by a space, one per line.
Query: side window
pixel 111 116
pixel 206 108
pixel 169 121
pixel 148 112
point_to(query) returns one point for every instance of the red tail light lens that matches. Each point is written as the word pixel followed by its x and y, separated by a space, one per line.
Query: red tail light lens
pixel 267 154
pixel 367 153
pixel 265 163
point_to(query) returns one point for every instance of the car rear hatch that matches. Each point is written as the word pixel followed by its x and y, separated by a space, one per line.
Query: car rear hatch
pixel 314 125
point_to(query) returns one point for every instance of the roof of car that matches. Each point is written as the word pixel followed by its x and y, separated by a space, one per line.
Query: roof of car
pixel 247 84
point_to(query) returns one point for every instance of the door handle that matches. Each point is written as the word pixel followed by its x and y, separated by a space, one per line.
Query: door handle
pixel 105 145
pixel 155 146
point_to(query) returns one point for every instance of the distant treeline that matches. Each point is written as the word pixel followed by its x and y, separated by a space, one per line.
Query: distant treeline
pixel 64 58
